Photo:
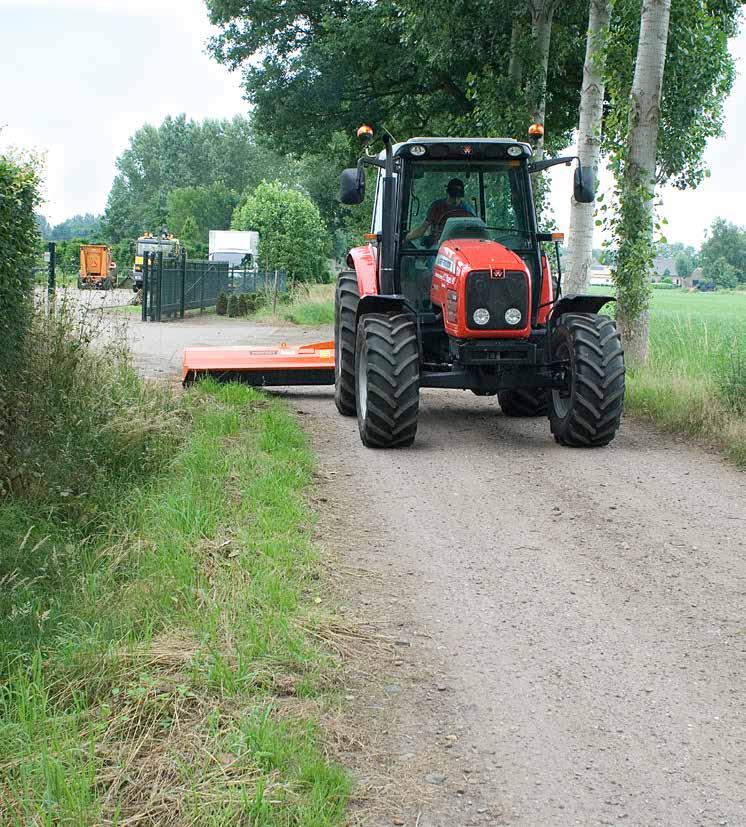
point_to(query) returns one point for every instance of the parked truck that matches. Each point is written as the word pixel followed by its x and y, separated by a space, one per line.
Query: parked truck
pixel 240 248
pixel 97 268
pixel 149 243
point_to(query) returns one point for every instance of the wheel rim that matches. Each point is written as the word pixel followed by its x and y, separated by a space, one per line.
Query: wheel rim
pixel 561 396
pixel 362 389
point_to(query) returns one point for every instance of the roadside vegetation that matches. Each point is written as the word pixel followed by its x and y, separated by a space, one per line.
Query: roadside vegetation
pixel 161 601
pixel 695 380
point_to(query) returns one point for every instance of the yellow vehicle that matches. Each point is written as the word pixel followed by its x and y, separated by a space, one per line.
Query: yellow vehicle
pixel 96 267
pixel 149 243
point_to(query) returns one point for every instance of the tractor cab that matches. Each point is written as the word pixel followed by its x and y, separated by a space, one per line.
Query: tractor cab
pixel 455 260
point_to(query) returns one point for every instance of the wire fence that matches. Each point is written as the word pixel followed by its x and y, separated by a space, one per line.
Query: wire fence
pixel 171 286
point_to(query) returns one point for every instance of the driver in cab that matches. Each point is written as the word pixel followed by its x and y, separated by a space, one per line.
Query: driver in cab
pixel 454 206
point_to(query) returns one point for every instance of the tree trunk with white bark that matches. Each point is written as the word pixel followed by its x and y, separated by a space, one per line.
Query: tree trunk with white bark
pixel 639 174
pixel 542 12
pixel 580 241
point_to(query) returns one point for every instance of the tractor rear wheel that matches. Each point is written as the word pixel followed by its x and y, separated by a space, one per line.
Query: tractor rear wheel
pixel 346 299
pixel 387 379
pixel 524 402
pixel 587 412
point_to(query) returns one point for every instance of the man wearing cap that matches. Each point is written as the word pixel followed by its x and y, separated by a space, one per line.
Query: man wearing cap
pixel 454 206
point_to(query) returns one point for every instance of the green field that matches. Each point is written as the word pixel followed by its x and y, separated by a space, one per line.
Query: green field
pixel 695 381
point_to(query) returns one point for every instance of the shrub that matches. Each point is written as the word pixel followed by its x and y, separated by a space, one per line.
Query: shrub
pixel 243 304
pixel 19 245
pixel 292 234
pixel 233 306
pixel 221 307
pixel 83 422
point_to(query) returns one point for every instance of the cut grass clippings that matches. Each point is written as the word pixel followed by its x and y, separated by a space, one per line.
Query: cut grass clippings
pixel 162 668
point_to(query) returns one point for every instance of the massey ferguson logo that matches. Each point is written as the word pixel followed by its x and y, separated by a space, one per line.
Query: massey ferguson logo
pixel 497 273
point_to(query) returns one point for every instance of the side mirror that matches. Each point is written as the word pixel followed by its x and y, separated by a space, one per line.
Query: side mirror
pixel 352 186
pixel 584 185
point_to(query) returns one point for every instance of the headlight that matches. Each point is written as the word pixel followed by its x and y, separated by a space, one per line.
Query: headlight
pixel 513 315
pixel 515 151
pixel 481 316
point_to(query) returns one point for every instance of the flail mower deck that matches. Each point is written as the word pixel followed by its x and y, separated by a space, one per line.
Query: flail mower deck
pixel 262 366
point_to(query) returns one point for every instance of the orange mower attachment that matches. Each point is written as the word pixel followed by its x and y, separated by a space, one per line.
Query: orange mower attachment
pixel 276 365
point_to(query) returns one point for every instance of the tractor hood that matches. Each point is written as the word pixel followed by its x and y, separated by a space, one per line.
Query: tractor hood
pixel 483 288
pixel 479 254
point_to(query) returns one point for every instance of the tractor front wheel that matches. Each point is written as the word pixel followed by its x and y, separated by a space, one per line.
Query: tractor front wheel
pixel 346 299
pixel 524 402
pixel 387 379
pixel 588 410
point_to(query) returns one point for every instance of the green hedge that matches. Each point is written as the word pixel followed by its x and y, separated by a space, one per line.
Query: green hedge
pixel 19 245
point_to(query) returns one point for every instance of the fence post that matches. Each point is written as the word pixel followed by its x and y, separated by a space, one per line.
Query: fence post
pixel 51 275
pixel 203 275
pixel 183 283
pixel 159 284
pixel 144 288
pixel 274 296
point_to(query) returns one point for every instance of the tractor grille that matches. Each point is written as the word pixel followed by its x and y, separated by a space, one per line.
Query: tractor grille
pixel 484 289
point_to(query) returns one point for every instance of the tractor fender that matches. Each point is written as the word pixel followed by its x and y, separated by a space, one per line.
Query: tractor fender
pixel 363 261
pixel 579 303
pixel 382 304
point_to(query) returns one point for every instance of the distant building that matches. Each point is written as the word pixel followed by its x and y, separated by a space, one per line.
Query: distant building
pixel 694 278
pixel 600 275
pixel 664 267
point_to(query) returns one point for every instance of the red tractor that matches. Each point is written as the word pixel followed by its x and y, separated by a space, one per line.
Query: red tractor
pixel 454 290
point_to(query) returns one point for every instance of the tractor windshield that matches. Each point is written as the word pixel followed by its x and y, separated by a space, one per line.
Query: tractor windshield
pixel 443 200
pixel 492 193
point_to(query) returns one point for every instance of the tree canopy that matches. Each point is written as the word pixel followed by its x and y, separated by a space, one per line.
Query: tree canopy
pixel 445 70
pixel 182 153
pixel 86 226
pixel 723 254
pixel 193 211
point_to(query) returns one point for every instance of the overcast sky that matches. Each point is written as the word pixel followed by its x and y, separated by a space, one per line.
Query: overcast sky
pixel 78 77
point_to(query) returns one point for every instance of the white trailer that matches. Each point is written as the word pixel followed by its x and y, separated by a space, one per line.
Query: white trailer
pixel 234 246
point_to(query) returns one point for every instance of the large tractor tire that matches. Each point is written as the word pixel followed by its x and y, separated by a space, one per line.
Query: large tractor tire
pixel 524 402
pixel 587 412
pixel 387 379
pixel 346 299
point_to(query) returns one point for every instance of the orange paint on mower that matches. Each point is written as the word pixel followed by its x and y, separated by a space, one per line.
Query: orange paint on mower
pixel 283 365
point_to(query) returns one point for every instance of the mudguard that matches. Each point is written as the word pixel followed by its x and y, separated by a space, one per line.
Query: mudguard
pixel 580 303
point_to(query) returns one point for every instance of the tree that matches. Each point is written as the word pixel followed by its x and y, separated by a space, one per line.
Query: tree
pixel 464 65
pixel 292 234
pixel 43 227
pixel 86 226
pixel 202 208
pixel 684 265
pixel 721 272
pixel 634 225
pixel 726 242
pixel 177 154
pixel 580 241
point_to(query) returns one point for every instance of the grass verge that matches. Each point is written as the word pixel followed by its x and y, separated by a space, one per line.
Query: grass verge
pixel 160 662
pixel 695 380
pixel 312 306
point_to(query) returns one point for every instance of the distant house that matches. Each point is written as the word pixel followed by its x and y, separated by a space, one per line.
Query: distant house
pixel 694 278
pixel 664 267
pixel 600 275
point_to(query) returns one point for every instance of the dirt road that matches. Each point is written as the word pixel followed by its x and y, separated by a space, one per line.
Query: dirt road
pixel 571 623
pixel 568 625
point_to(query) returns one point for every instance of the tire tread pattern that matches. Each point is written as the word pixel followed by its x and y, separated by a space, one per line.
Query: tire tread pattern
pixel 388 343
pixel 597 394
pixel 346 301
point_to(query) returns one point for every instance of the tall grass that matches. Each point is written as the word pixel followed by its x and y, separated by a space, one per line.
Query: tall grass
pixel 695 381
pixel 309 305
pixel 158 655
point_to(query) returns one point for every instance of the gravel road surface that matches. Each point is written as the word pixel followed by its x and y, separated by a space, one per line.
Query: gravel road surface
pixel 568 625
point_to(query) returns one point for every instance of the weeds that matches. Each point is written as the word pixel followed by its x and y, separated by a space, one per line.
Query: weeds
pixel 159 655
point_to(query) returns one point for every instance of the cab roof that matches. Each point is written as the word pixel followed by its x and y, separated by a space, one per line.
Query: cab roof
pixel 462 148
